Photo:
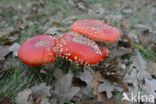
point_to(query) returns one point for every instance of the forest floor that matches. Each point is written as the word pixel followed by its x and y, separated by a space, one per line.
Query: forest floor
pixel 131 67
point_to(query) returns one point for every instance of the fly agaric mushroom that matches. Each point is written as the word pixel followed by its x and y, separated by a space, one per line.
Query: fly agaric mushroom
pixel 96 30
pixel 37 50
pixel 104 52
pixel 78 49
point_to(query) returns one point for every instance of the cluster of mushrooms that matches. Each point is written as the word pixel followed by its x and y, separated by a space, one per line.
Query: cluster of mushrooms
pixel 81 49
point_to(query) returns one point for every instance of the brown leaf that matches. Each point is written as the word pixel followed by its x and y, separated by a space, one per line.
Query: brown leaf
pixel 23 97
pixel 150 87
pixel 125 42
pixel 35 95
pixel 95 102
pixel 14 48
pixel 100 97
pixel 86 78
pixel 64 88
pixel 8 36
pixel 5 100
pixel 4 51
pixel 111 70
pixel 108 87
pixel 151 67
pixel 97 10
pixel 41 90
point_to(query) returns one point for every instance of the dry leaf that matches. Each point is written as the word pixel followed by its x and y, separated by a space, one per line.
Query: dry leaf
pixel 121 51
pixel 111 71
pixel 150 87
pixel 80 4
pixel 41 89
pixel 53 31
pixel 23 97
pixel 133 37
pixel 108 87
pixel 64 89
pixel 137 73
pixel 87 77
pixel 138 70
pixel 14 48
pixel 96 82
pixel 97 10
pixel 35 95
pixel 5 100
pixel 125 42
pixel 69 20
pixel 152 68
pixel 40 93
pixel 8 36
pixel 45 101
pixel 58 74
pixel 4 51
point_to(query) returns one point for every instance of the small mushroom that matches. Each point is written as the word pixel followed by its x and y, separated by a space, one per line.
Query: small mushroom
pixel 96 30
pixel 78 49
pixel 37 50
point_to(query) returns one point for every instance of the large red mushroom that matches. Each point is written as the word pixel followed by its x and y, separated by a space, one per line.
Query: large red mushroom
pixel 96 30
pixel 37 50
pixel 78 49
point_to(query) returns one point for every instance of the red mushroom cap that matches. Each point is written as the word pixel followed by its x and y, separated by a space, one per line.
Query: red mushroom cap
pixel 96 30
pixel 104 52
pixel 37 50
pixel 78 49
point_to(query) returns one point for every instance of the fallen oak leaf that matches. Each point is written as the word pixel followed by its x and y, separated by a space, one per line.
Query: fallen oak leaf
pixel 138 70
pixel 35 95
pixel 101 98
pixel 87 77
pixel 14 48
pixel 58 73
pixel 152 68
pixel 136 74
pixel 64 89
pixel 96 82
pixel 108 87
pixel 45 101
pixel 4 51
pixel 125 42
pixel 8 36
pixel 112 70
pixel 73 91
pixel 41 89
pixel 5 100
pixel 23 97
pixel 40 93
pixel 150 87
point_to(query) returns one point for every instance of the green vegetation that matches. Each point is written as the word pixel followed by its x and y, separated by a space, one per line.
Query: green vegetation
pixel 148 54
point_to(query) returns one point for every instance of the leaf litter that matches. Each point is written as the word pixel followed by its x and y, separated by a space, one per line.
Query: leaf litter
pixel 35 95
pixel 93 84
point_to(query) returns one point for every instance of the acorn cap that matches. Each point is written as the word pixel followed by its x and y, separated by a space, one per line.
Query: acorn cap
pixel 37 50
pixel 96 30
